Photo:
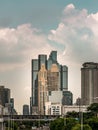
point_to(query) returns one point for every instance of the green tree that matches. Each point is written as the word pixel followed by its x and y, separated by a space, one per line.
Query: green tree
pixel 72 114
pixel 57 124
pixel 93 108
pixel 63 124
pixel 78 127
pixel 93 122
pixel 70 122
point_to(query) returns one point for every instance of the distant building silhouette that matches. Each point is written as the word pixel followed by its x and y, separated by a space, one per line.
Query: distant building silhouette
pixel 4 95
pixel 25 109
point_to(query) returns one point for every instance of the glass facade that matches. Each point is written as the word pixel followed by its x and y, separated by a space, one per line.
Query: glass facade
pixel 34 82
pixel 42 60
pixel 57 77
pixel 67 98
pixel 64 78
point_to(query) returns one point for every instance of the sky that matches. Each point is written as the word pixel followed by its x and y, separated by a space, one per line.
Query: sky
pixel 32 27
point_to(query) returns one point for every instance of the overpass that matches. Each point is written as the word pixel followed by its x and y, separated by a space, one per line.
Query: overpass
pixel 29 117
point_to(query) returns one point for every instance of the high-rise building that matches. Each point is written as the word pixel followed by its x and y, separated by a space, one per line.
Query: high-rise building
pixel 53 78
pixel 34 92
pixel 12 102
pixel 4 95
pixel 64 78
pixel 42 89
pixel 89 83
pixel 42 59
pixel 63 70
pixel 57 77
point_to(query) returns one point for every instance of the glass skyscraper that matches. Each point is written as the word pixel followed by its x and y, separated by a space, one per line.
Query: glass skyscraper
pixel 62 74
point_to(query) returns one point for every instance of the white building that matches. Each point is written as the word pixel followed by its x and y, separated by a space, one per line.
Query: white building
pixel 75 108
pixel 53 108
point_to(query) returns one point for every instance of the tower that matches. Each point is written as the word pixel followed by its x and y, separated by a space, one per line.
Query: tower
pixel 35 67
pixel 57 79
pixel 89 83
pixel 42 89
pixel 4 95
pixel 34 72
pixel 53 78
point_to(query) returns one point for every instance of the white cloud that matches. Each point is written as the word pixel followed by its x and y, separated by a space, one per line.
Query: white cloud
pixel 18 45
pixel 78 32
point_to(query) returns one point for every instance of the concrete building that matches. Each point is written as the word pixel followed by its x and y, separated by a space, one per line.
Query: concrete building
pixel 53 108
pixel 89 83
pixel 42 89
pixel 55 97
pixel 76 108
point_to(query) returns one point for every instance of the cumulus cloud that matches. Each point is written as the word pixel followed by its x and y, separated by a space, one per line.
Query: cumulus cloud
pixel 78 32
pixel 17 45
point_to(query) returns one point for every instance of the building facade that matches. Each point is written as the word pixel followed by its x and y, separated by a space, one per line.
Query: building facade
pixel 57 78
pixel 25 109
pixel 4 95
pixel 42 89
pixel 53 78
pixel 89 83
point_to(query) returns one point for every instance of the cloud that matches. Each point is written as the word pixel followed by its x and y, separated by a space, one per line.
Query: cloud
pixel 18 45
pixel 78 32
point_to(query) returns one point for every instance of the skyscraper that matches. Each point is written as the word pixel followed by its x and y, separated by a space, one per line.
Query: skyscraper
pixel 89 83
pixel 36 65
pixel 42 89
pixel 53 78
pixel 34 92
pixel 57 77
pixel 64 78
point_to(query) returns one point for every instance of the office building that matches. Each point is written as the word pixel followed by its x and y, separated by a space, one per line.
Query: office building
pixel 25 109
pixel 57 77
pixel 36 65
pixel 4 95
pixel 64 78
pixel 67 98
pixel 34 72
pixel 53 78
pixel 53 108
pixel 42 89
pixel 89 83
pixel 55 97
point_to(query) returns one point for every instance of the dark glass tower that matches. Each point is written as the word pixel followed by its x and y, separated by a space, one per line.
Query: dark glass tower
pixel 36 65
pixel 34 82
pixel 42 59
pixel 64 78
pixel 67 98
pixel 4 95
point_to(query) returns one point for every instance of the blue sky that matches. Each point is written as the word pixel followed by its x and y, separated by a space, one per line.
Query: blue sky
pixel 32 27
pixel 43 14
